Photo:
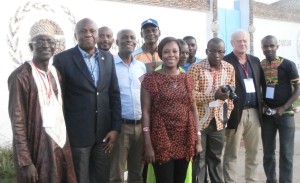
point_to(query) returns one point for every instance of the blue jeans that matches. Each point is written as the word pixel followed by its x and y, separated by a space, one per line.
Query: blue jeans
pixel 285 125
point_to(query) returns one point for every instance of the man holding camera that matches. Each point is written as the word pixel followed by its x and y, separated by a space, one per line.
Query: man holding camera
pixel 280 92
pixel 212 75
pixel 245 119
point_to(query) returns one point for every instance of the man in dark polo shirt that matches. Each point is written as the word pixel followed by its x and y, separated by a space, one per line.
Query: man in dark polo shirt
pixel 280 92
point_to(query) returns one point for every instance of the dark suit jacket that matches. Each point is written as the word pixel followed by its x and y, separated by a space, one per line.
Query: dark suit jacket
pixel 240 90
pixel 90 111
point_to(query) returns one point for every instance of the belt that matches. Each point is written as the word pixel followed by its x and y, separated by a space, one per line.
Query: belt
pixel 131 121
pixel 249 106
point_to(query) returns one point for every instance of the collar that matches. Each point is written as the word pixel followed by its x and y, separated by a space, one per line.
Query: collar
pixel 146 49
pixel 118 59
pixel 86 55
pixel 207 65
pixel 277 60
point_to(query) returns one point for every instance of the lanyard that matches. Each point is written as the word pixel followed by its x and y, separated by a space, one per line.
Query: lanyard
pixel 48 91
pixel 214 73
pixel 92 67
pixel 245 68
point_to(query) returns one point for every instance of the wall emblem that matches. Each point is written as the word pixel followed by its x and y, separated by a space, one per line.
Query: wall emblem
pixel 30 13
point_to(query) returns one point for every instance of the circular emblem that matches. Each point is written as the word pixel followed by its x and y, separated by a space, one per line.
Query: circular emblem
pixel 57 16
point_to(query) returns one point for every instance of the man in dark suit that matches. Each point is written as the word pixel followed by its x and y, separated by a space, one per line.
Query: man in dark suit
pixel 92 103
pixel 245 119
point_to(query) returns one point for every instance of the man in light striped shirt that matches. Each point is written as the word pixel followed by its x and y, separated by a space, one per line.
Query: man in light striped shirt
pixel 129 145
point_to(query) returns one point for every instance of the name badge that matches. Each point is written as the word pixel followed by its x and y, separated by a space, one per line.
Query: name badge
pixel 270 92
pixel 249 84
pixel 213 104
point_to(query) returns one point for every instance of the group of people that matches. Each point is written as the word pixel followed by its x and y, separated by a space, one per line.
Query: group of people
pixel 158 111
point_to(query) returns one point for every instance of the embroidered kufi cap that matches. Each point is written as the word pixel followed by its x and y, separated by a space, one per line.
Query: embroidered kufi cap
pixel 45 27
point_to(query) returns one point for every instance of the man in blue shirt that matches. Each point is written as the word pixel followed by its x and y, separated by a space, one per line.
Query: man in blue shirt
pixel 129 145
pixel 192 43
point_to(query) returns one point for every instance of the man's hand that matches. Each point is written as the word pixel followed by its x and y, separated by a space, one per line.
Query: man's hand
pixel 220 95
pixel 30 174
pixel 280 110
pixel 110 139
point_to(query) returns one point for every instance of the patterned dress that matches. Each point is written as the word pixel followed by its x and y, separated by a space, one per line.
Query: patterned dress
pixel 173 128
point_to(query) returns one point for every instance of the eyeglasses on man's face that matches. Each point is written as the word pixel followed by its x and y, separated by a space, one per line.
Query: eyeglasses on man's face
pixel 220 52
pixel 42 42
pixel 150 30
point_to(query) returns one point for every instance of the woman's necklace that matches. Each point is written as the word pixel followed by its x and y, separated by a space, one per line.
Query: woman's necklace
pixel 172 78
pixel 174 84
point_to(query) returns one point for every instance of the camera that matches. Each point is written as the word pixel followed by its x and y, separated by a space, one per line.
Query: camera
pixel 232 96
pixel 270 112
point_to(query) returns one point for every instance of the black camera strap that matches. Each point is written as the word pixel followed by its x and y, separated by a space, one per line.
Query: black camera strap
pixel 225 117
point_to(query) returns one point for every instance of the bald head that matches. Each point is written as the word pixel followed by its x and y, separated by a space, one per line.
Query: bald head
pixel 126 41
pixel 269 47
pixel 86 34
pixel 105 29
pixel 106 39
pixel 84 22
pixel 214 41
pixel 269 37
pixel 215 52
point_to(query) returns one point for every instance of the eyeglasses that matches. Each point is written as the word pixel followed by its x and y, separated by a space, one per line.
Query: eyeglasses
pixel 216 52
pixel 150 30
pixel 41 42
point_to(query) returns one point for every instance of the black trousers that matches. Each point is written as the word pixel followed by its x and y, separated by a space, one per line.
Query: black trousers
pixel 91 164
pixel 173 171
pixel 145 171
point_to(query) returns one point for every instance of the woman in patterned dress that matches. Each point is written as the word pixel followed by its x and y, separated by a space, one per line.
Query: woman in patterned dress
pixel 169 117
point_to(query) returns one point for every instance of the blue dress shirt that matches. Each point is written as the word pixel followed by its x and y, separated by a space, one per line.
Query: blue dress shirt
pixel 92 64
pixel 129 78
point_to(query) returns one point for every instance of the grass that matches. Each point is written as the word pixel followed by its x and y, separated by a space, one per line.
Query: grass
pixel 297 103
pixel 7 169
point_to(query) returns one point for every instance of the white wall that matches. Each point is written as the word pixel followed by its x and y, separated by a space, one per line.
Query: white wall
pixel 288 34
pixel 173 22
pixel 116 15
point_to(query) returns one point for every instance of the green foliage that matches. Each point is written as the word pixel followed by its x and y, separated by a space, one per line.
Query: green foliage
pixel 297 103
pixel 7 169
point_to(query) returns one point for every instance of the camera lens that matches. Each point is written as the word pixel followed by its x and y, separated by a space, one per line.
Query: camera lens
pixel 225 89
pixel 270 112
